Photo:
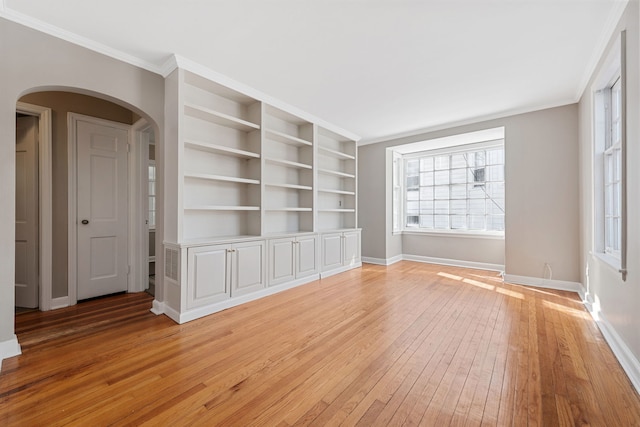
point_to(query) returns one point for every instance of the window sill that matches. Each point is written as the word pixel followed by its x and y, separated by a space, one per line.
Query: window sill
pixel 609 260
pixel 464 234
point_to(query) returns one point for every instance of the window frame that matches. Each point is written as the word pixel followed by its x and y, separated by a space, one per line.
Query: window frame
pixel 450 150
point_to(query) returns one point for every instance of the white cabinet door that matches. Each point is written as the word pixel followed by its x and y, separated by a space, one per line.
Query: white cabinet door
pixel 351 247
pixel 331 251
pixel 307 256
pixel 209 278
pixel 248 267
pixel 281 260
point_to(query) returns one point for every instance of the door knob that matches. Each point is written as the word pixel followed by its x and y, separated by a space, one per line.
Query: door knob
pixel 85 221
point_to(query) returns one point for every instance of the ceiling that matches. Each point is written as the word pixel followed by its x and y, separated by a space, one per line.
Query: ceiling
pixel 376 68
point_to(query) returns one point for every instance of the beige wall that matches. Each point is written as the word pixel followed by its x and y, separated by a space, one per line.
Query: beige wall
pixel 541 155
pixel 35 62
pixel 60 104
pixel 616 301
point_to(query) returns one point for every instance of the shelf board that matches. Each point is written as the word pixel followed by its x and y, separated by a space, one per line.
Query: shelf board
pixel 327 190
pixel 222 208
pixel 219 118
pixel 287 163
pixel 292 186
pixel 336 173
pixel 222 178
pixel 221 149
pixel 287 139
pixel 336 153
pixel 337 210
pixel 289 209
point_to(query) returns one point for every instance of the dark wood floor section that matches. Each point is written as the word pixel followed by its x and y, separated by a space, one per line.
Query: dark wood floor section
pixel 409 344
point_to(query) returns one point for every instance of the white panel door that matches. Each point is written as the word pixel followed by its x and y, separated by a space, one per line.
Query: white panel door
pixel 351 248
pixel 307 254
pixel 248 267
pixel 331 251
pixel 281 261
pixel 102 209
pixel 209 278
pixel 26 274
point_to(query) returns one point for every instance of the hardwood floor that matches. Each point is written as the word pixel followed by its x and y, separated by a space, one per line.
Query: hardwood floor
pixel 408 344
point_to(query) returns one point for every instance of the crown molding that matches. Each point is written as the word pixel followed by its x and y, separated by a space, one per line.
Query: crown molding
pixel 76 39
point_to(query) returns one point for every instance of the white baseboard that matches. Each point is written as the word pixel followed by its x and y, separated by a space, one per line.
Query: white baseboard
pixel 454 262
pixel 61 302
pixel 629 362
pixel 558 285
pixel 329 273
pixel 9 348
pixel 157 307
pixel 382 261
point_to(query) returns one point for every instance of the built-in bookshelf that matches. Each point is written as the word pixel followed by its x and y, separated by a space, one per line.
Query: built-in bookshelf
pixel 222 161
pixel 288 172
pixel 336 182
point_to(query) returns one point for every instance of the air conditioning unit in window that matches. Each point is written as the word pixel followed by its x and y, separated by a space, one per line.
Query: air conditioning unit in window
pixel 478 177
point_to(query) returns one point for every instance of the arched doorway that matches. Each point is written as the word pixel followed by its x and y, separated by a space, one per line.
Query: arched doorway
pixel 57 290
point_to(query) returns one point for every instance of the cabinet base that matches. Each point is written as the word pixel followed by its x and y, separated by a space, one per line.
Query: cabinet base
pixel 338 270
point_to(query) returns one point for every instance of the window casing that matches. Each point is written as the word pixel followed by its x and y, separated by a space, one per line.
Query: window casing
pixel 459 189
pixel 152 195
pixel 612 157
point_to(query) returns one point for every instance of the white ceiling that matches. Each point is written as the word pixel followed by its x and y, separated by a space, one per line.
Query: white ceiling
pixel 376 68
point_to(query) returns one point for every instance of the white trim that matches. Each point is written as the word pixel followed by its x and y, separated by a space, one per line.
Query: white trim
pixel 9 348
pixel 60 302
pixel 625 356
pixel 138 278
pixel 342 269
pixel 78 40
pixel 158 307
pixel 189 315
pixel 489 235
pixel 45 200
pixel 72 188
pixel 382 261
pixel 454 262
pixel 539 282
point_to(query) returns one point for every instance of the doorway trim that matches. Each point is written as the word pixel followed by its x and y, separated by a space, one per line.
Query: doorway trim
pixel 72 172
pixel 138 206
pixel 45 199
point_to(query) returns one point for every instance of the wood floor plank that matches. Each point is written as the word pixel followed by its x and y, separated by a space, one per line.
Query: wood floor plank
pixel 406 344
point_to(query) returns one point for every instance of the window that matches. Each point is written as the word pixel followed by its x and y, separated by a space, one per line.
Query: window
pixel 459 189
pixel 612 158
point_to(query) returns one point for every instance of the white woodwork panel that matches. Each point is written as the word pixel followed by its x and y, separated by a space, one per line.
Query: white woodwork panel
pixel 331 251
pixel 104 257
pixel 281 261
pixel 351 248
pixel 307 256
pixel 249 268
pixel 208 280
pixel 104 187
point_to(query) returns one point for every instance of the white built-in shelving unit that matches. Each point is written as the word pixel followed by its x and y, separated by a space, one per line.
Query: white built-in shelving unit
pixel 266 198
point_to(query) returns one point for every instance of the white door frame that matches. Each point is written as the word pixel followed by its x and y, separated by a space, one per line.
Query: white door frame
pixel 133 278
pixel 45 199
pixel 139 207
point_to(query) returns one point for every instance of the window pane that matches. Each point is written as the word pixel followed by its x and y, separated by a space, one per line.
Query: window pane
pixel 495 206
pixel 412 220
pixel 152 188
pixel 479 158
pixel 426 207
pixel 426 164
pixel 441 222
pixel 495 222
pixel 442 192
pixel 426 221
pixel 495 156
pixel 458 206
pixel 441 206
pixel 458 161
pixel 152 219
pixel 459 176
pixel 442 162
pixel 458 191
pixel 442 177
pixel 426 193
pixel 413 167
pixel 426 178
pixel 476 192
pixel 477 222
pixel 413 207
pixel 413 194
pixel 477 207
pixel 495 190
pixel 413 181
pixel 458 222
pixel 494 173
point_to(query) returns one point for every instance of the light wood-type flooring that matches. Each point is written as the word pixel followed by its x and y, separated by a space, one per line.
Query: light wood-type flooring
pixel 408 344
